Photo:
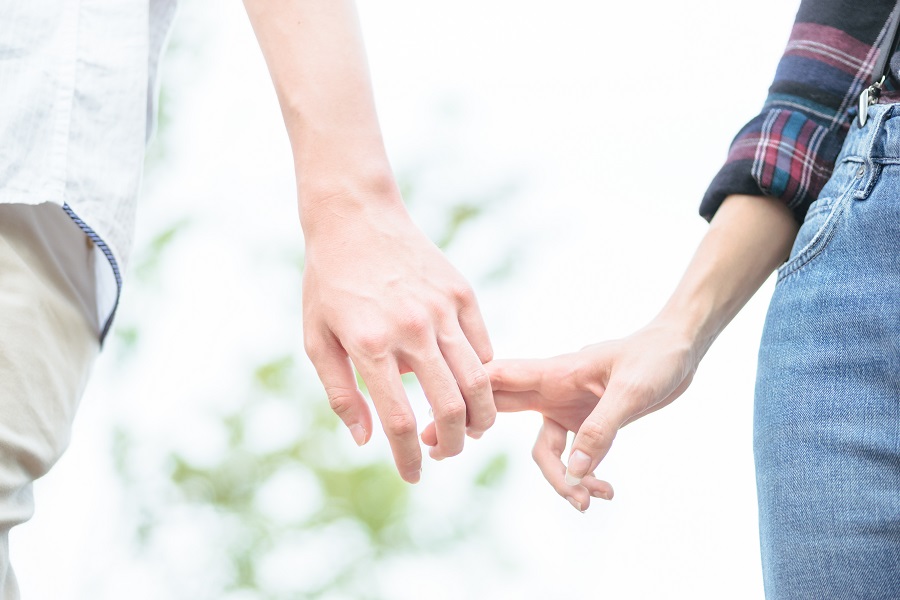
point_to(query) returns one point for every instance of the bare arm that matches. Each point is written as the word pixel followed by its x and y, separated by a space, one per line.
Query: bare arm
pixel 599 389
pixel 315 54
pixel 375 289
pixel 746 241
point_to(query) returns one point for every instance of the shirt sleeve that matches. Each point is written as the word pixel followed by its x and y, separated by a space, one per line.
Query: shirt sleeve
pixel 788 151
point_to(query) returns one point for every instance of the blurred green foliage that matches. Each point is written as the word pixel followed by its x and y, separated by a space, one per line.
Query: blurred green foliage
pixel 370 496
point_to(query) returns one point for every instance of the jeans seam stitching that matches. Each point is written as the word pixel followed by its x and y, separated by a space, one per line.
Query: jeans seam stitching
pixel 820 239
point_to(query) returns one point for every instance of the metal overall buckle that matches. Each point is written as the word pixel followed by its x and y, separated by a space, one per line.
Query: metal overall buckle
pixel 869 97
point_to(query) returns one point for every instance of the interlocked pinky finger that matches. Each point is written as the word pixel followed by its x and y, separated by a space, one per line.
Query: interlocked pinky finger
pixel 547 453
pixel 429 435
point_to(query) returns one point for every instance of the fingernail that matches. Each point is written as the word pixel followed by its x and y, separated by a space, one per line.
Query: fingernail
pixel 579 463
pixel 574 503
pixel 601 495
pixel 475 435
pixel 359 434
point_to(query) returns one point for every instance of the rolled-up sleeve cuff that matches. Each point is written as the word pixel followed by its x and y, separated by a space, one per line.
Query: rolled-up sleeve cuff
pixel 780 153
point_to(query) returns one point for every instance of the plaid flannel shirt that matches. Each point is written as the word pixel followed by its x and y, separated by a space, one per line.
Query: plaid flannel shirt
pixel 788 151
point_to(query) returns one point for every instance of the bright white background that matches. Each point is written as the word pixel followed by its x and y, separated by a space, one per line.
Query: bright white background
pixel 609 119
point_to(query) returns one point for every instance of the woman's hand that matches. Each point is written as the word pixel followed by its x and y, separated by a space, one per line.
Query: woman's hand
pixel 603 387
pixel 594 392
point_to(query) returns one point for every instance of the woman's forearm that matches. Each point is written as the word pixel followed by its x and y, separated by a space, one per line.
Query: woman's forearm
pixel 747 240
pixel 315 54
pixel 604 386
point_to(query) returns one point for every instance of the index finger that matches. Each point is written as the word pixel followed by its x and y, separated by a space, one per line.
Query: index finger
pixel 333 367
pixel 472 324
pixel 516 375
pixel 518 401
pixel 382 379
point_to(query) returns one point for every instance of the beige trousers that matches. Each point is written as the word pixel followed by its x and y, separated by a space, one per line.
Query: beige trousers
pixel 48 341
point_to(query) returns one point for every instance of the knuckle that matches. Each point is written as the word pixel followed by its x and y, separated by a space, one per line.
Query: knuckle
pixel 415 323
pixel 373 343
pixel 477 381
pixel 452 410
pixel 581 369
pixel 596 433
pixel 463 293
pixel 441 311
pixel 340 400
pixel 483 419
pixel 313 347
pixel 498 376
pixel 400 424
pixel 487 421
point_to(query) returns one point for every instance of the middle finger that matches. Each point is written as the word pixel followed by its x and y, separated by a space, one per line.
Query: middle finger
pixel 472 380
pixel 442 392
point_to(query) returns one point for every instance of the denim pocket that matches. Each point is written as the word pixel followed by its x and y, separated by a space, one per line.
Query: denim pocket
pixel 823 217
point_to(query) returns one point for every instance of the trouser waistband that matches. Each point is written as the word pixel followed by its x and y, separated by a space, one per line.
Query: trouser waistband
pixel 878 140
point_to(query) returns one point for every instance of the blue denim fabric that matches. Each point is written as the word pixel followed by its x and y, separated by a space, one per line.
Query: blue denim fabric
pixel 827 412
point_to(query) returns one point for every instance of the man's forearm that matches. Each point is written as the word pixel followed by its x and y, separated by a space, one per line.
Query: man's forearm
pixel 315 54
pixel 376 291
pixel 747 240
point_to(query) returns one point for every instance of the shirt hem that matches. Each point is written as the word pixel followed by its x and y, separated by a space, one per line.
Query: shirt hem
pixel 113 263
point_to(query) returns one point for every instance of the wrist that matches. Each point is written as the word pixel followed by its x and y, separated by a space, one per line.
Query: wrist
pixel 333 200
pixel 692 322
pixel 746 241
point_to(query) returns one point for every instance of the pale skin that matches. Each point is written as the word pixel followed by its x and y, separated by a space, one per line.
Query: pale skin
pixel 603 387
pixel 378 293
pixel 376 290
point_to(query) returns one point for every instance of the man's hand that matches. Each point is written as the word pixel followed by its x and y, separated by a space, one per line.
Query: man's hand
pixel 593 392
pixel 378 291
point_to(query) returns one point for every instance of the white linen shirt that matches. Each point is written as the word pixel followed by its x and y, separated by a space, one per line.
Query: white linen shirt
pixel 78 89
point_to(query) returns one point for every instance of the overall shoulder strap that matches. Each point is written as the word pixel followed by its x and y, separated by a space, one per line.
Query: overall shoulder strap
pixel 888 43
pixel 886 46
